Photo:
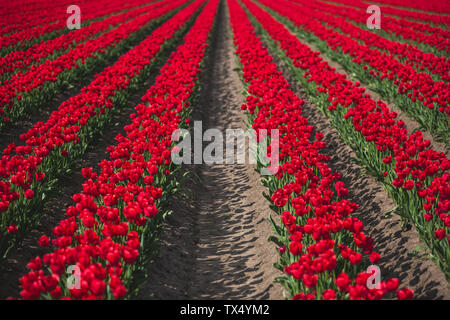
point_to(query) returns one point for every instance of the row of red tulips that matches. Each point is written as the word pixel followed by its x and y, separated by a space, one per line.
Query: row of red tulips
pixel 370 39
pixel 324 250
pixel 109 231
pixel 36 86
pixel 56 23
pixel 23 58
pixel 423 17
pixel 434 41
pixel 436 6
pixel 28 172
pixel 404 16
pixel 12 14
pixel 408 53
pixel 416 93
pixel 415 176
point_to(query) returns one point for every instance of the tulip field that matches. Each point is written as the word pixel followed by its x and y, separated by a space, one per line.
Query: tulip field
pixel 95 97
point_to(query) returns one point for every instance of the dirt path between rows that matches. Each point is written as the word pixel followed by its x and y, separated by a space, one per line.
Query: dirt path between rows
pixel 403 253
pixel 215 245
